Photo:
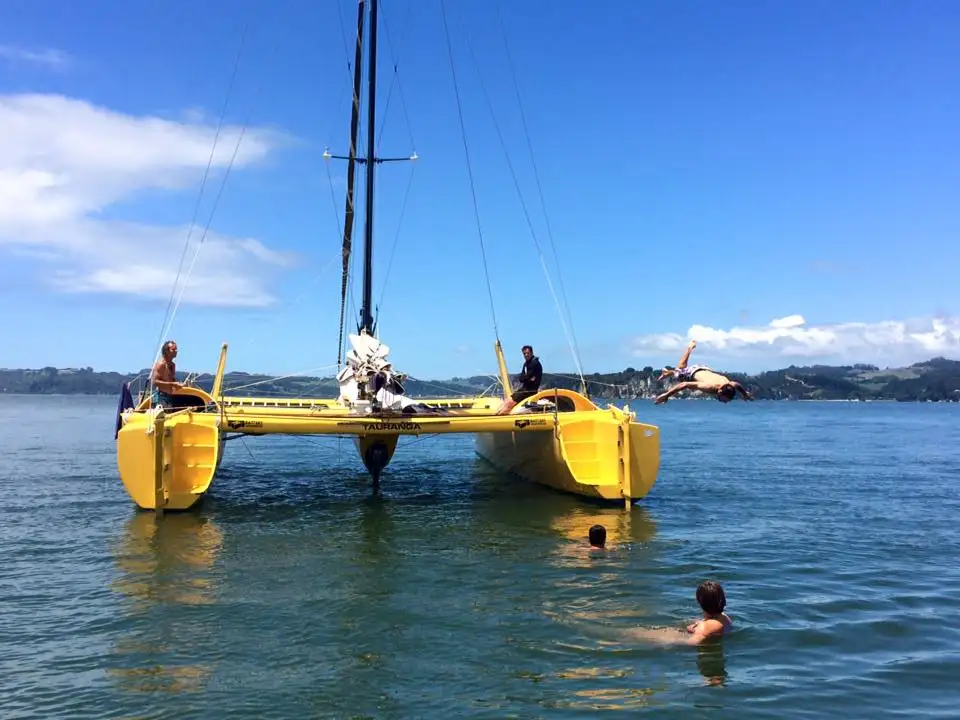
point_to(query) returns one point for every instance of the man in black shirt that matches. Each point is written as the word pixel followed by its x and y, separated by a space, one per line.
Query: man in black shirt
pixel 529 380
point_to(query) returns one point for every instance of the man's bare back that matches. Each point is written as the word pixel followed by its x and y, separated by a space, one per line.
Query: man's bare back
pixel 708 379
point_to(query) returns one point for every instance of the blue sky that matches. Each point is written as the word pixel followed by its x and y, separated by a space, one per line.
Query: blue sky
pixel 775 180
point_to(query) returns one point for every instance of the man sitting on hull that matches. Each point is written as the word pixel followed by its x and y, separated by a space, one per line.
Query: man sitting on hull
pixel 530 378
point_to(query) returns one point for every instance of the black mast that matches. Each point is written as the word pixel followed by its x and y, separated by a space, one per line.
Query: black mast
pixel 351 170
pixel 366 311
pixel 367 322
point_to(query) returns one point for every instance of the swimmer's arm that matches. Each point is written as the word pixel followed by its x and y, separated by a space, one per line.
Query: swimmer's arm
pixel 701 631
pixel 662 636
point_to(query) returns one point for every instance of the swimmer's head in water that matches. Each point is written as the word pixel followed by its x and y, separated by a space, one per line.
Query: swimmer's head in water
pixel 598 535
pixel 711 598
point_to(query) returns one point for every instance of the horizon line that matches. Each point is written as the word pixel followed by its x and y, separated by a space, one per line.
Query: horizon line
pixel 493 373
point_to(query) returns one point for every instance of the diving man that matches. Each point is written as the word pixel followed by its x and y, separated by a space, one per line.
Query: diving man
pixel 702 378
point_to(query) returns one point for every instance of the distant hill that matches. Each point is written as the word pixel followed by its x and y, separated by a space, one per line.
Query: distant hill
pixel 86 381
pixel 937 379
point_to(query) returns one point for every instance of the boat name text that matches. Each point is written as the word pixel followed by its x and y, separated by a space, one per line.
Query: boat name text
pixel 397 426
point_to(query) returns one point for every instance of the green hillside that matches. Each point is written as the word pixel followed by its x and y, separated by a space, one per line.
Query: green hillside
pixel 937 379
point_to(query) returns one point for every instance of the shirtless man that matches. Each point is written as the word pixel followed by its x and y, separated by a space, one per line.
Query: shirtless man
pixel 164 377
pixel 702 378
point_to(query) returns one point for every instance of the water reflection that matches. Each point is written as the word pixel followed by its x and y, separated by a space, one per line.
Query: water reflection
pixel 611 699
pixel 376 536
pixel 589 597
pixel 635 525
pixel 363 620
pixel 167 560
pixel 166 567
pixel 711 662
pixel 628 532
pixel 613 602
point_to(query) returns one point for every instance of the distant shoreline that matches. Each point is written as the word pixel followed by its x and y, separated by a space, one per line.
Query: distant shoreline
pixel 936 380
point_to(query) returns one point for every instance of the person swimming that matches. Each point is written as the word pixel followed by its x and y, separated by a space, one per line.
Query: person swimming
pixel 712 600
pixel 598 537
pixel 702 378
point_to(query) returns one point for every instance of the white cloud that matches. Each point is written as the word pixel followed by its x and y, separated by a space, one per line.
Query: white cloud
pixel 64 161
pixel 790 337
pixel 55 59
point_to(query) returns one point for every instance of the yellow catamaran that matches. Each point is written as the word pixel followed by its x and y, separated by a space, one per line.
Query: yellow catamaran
pixel 168 457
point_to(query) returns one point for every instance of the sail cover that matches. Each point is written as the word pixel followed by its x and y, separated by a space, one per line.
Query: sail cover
pixel 368 369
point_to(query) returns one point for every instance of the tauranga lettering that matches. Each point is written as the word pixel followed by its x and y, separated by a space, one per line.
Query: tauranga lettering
pixel 395 426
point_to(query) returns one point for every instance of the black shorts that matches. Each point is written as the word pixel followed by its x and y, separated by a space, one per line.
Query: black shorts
pixel 520 395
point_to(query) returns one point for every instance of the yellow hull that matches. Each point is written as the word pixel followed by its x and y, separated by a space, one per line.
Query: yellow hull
pixel 602 454
pixel 169 461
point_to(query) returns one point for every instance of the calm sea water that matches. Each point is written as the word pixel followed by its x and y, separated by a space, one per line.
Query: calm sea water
pixel 292 593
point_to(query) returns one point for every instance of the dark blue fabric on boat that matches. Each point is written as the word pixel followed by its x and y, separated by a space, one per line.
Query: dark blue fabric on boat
pixel 126 403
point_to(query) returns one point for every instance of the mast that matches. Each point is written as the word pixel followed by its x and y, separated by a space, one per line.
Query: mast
pixel 366 311
pixel 351 170
pixel 366 321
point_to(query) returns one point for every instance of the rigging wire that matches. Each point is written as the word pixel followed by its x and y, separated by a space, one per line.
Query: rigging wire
pixel 307 286
pixel 396 237
pixel 395 80
pixel 536 175
pixel 299 373
pixel 523 205
pixel 343 35
pixel 167 317
pixel 213 210
pixel 216 201
pixel 466 152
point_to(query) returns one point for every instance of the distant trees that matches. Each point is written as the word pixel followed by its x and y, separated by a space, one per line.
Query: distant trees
pixel 937 379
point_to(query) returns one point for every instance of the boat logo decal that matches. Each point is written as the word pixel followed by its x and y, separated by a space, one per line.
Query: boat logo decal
pixel 237 424
pixel 525 423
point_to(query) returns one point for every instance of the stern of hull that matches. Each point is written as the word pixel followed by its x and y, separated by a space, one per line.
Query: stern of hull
pixel 597 454
pixel 168 462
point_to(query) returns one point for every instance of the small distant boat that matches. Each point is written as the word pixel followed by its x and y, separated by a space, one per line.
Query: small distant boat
pixel 168 458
